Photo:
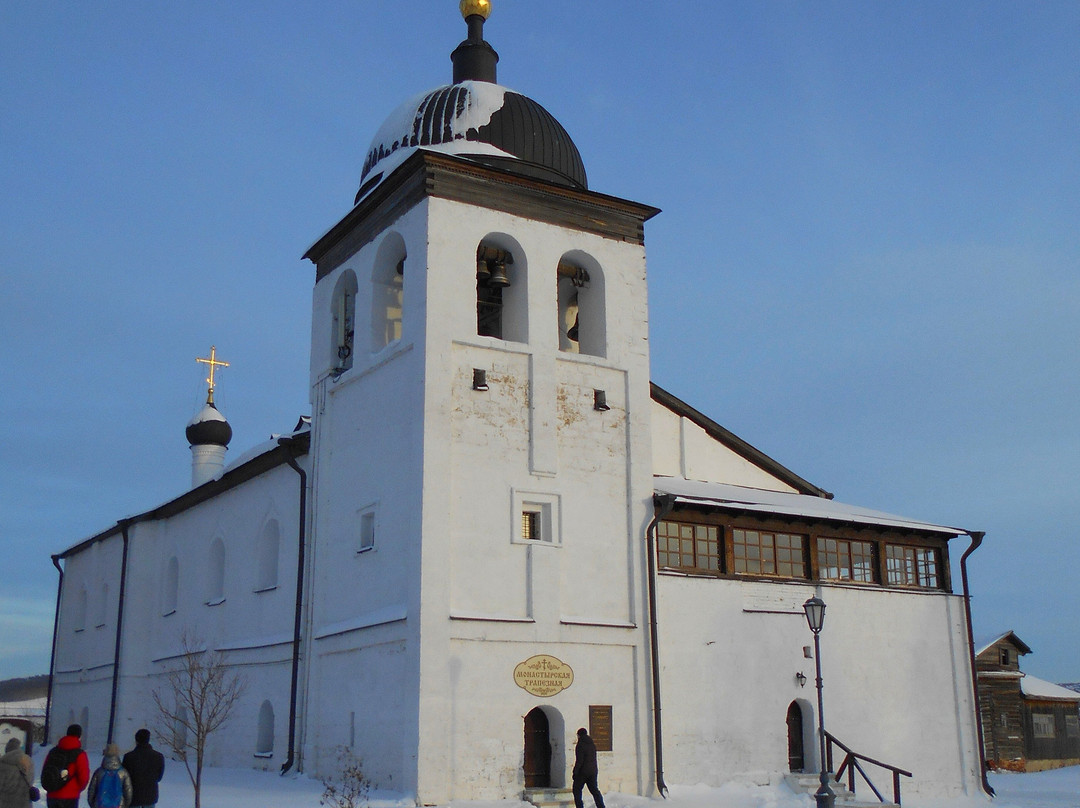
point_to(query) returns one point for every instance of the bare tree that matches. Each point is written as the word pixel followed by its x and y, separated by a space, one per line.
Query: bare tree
pixel 199 695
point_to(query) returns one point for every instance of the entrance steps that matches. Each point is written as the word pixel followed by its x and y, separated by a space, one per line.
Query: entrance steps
pixel 808 783
pixel 549 797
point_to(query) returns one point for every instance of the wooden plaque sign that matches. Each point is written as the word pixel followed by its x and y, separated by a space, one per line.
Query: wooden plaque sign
pixel 600 726
pixel 543 675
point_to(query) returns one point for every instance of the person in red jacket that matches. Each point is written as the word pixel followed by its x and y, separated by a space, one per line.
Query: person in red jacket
pixel 78 770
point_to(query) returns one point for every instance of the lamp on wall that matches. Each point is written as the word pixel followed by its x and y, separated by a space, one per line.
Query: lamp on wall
pixel 800 677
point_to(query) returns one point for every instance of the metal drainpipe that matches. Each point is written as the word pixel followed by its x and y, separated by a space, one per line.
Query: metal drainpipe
pixel 52 654
pixel 976 540
pixel 285 444
pixel 119 628
pixel 663 505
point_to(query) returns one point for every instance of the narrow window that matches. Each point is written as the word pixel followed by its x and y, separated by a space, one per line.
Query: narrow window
pixel 494 268
pixel 172 586
pixel 343 321
pixel 1004 656
pixel 536 518
pixel 215 574
pixel 1072 726
pixel 102 606
pixel 79 611
pixel 264 741
pixel 367 530
pixel 269 544
pixel 388 293
pixel 581 316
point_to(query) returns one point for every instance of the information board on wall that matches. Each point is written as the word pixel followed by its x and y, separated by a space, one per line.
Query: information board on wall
pixel 600 726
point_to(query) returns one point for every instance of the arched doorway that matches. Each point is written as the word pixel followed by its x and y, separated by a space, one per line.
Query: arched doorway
pixel 537 750
pixel 796 759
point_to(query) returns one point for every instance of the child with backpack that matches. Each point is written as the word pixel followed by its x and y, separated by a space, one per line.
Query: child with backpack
pixel 110 787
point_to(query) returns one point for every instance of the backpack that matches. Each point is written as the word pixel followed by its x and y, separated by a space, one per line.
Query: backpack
pixel 110 790
pixel 54 769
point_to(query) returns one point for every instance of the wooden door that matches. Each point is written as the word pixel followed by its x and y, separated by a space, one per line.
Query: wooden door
pixel 537 750
pixel 796 763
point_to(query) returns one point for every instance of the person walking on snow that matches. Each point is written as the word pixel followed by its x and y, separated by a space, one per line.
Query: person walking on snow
pixel 110 787
pixel 586 770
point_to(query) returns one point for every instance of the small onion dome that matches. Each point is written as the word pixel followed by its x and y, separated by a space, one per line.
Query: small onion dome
pixel 485 122
pixel 209 427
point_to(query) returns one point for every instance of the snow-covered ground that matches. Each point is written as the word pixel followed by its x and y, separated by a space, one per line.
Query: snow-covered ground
pixel 244 788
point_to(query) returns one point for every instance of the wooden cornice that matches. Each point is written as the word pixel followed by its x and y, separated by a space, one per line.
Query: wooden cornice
pixel 459 179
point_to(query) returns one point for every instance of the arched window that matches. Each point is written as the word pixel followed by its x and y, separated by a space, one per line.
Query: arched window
pixel 215 574
pixel 500 293
pixel 264 741
pixel 582 316
pixel 78 612
pixel 343 313
pixel 388 292
pixel 267 569
pixel 84 721
pixel 171 588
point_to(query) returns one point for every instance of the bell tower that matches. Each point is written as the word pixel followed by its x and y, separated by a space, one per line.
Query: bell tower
pixel 481 450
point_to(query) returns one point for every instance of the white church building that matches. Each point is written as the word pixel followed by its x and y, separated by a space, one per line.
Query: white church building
pixel 493 529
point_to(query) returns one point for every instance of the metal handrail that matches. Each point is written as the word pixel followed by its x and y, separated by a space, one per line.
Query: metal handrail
pixel 851 765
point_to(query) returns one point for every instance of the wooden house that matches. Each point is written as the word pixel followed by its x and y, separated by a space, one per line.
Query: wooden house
pixel 1028 724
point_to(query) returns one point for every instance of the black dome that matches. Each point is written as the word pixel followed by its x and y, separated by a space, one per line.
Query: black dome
pixel 209 427
pixel 482 121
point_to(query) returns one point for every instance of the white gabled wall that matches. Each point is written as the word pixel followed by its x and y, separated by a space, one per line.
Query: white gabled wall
pixel 681 448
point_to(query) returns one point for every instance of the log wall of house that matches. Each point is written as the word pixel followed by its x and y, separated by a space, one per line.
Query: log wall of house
pixel 1000 706
pixel 1065 743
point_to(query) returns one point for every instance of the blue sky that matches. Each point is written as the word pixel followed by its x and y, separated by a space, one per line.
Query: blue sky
pixel 866 265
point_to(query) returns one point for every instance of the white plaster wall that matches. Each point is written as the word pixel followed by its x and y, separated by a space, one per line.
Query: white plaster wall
pixel 534 433
pixel 681 448
pixel 893 665
pixel 368 450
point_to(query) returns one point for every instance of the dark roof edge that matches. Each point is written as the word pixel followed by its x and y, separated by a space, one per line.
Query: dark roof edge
pixel 288 447
pixel 417 177
pixel 735 443
pixel 1020 645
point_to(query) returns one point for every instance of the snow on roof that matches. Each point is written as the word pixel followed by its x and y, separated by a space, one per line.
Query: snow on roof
pixel 1041 689
pixel 811 507
pixel 986 640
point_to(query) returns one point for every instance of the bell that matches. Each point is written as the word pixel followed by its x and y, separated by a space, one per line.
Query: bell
pixel 572 334
pixel 483 271
pixel 498 277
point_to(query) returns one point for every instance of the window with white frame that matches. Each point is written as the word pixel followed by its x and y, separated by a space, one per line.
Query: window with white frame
pixel 536 518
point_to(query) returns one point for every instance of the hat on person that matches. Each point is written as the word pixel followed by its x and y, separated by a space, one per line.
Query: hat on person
pixel 74 730
pixel 112 750
pixel 12 745
pixel 142 736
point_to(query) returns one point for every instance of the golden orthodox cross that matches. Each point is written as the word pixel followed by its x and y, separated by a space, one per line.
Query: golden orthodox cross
pixel 214 363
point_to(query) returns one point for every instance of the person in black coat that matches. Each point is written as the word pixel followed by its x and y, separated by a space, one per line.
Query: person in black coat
pixel 585 769
pixel 146 765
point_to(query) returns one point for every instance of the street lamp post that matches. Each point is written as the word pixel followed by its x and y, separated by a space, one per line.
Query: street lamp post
pixel 815 618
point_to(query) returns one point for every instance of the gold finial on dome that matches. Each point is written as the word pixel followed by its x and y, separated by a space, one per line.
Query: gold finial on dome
pixel 481 8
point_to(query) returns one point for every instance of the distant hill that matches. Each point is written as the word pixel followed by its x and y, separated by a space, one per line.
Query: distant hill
pixel 1072 686
pixel 24 688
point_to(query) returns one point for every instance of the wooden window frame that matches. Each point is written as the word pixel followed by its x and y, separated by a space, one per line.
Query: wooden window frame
pixel 822 549
pixel 814 535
